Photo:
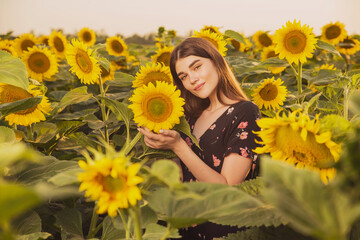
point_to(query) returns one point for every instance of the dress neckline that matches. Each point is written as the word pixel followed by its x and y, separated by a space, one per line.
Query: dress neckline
pixel 216 120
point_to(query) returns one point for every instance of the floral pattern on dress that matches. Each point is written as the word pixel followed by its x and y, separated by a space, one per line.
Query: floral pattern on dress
pixel 216 161
pixel 212 127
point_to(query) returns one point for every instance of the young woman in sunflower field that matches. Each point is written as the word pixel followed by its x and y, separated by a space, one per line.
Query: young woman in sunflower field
pixel 221 118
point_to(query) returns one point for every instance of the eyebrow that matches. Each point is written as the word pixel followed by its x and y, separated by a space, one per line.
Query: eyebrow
pixel 190 65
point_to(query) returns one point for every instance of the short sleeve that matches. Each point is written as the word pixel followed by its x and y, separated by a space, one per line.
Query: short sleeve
pixel 241 136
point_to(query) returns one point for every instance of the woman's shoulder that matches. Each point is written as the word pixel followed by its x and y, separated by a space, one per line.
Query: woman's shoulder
pixel 246 106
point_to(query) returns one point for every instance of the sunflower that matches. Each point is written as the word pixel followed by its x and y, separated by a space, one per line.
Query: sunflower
pixel 152 73
pixel 44 39
pixel 40 63
pixel 116 46
pixel 24 41
pixel 10 93
pixel 157 106
pixel 295 42
pixel 270 94
pixel 269 52
pixel 58 43
pixel 85 66
pixel 216 39
pixel 108 75
pixel 111 181
pixel 124 62
pixel 212 29
pixel 296 139
pixel 239 45
pixel 262 39
pixel 8 48
pixel 87 36
pixel 333 33
pixel 349 46
pixel 163 55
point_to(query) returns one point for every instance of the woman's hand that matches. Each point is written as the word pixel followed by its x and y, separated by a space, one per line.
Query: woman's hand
pixel 166 139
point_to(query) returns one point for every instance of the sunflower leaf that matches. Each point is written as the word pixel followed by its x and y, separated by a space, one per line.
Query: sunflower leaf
pixel 104 63
pixel 76 95
pixel 13 71
pixel 327 46
pixel 235 35
pixel 23 104
pixel 7 135
pixel 184 127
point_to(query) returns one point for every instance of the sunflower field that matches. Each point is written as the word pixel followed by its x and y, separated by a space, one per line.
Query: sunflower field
pixel 74 166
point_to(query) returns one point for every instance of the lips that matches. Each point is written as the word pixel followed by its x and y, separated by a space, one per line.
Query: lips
pixel 198 87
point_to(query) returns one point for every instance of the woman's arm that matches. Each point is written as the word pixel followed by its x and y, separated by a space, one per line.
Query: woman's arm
pixel 234 169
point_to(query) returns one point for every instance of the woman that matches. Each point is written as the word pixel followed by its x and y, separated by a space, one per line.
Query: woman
pixel 220 117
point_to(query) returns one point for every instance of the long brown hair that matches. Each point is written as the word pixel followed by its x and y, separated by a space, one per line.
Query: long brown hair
pixel 228 85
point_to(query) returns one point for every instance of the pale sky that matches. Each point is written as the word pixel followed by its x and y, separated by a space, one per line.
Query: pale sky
pixel 128 17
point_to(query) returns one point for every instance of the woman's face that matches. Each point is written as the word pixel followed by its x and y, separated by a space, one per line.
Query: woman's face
pixel 198 75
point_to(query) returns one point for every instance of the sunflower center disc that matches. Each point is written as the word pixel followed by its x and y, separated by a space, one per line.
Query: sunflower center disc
pixel 27 44
pixel 265 40
pixel 117 46
pixel 39 62
pixel 164 58
pixel 58 44
pixel 104 72
pixel 332 32
pixel 114 184
pixel 159 109
pixel 156 76
pixel 87 36
pixel 308 152
pixel 83 61
pixel 269 92
pixel 295 42
pixel 235 43
pixel 271 54
pixel 12 94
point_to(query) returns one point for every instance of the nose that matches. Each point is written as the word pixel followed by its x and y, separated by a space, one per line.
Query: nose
pixel 193 78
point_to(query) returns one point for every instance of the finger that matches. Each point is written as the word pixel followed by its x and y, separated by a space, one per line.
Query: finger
pixel 169 133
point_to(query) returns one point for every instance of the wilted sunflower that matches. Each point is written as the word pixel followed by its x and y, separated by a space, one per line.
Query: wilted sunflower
pixel 157 106
pixel 262 39
pixel 163 55
pixel 87 36
pixel 111 181
pixel 349 46
pixel 58 43
pixel 333 32
pixel 295 42
pixel 152 73
pixel 85 66
pixel 108 75
pixel 213 29
pixel 269 52
pixel 116 46
pixel 239 45
pixel 24 41
pixel 40 63
pixel 296 139
pixel 216 39
pixel 10 93
pixel 8 48
pixel 270 94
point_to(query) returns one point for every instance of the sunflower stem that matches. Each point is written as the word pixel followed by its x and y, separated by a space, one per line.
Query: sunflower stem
pixel 169 230
pixel 346 101
pixel 122 216
pixel 135 215
pixel 94 219
pixel 30 132
pixel 103 110
pixel 129 146
pixel 299 79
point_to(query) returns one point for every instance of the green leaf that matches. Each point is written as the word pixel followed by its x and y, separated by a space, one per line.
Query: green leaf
pixel 166 171
pixel 76 95
pixel 121 80
pixel 273 62
pixel 80 115
pixel 13 71
pixel 312 208
pixel 327 46
pixel 184 127
pixel 354 102
pixel 66 177
pixel 17 200
pixel 34 236
pixel 7 135
pixel 155 232
pixel 120 109
pixel 148 216
pixel 235 35
pixel 109 231
pixel 11 153
pixel 104 63
pixel 27 224
pixel 45 131
pixel 23 104
pixel 324 77
pixel 70 221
